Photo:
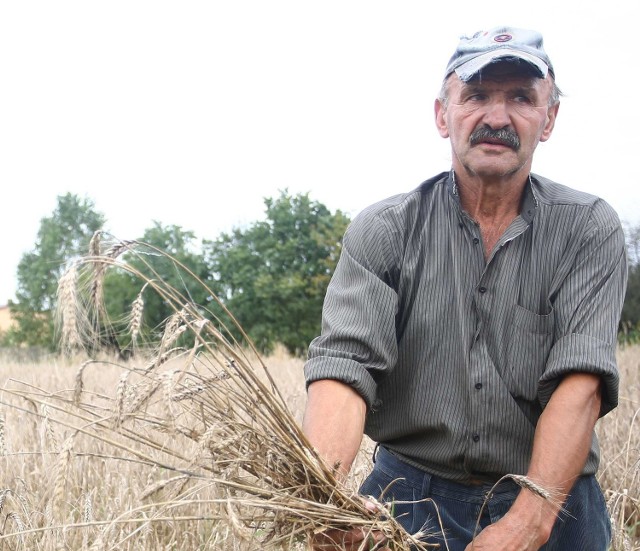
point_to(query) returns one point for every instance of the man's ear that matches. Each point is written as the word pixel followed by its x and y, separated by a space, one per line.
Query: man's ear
pixel 552 113
pixel 441 124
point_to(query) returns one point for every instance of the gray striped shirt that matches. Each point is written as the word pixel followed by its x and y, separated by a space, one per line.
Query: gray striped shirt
pixel 455 355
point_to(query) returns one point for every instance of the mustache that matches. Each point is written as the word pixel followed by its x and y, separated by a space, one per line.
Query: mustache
pixel 503 135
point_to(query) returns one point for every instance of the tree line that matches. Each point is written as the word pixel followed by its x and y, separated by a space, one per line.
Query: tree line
pixel 272 275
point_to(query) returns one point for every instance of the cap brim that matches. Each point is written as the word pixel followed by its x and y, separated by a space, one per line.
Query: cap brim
pixel 470 68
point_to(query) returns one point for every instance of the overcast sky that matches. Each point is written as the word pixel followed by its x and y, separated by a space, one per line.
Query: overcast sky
pixel 191 112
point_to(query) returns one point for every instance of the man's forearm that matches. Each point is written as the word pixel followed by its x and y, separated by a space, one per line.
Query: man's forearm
pixel 564 433
pixel 334 422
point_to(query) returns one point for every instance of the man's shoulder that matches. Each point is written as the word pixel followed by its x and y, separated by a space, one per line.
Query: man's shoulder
pixel 550 193
pixel 401 205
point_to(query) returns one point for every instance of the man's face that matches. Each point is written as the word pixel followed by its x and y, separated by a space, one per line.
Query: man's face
pixel 495 123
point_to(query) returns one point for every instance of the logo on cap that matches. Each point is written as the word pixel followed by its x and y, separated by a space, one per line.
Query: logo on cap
pixel 502 38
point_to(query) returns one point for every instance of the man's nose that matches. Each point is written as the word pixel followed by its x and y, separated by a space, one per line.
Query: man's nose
pixel 497 114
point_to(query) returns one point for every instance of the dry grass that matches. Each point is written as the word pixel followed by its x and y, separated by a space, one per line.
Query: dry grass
pixel 195 444
pixel 62 486
pixel 619 435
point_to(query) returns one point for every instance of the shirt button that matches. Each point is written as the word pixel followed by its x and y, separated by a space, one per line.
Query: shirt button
pixel 476 241
pixel 476 437
pixel 478 386
pixel 482 290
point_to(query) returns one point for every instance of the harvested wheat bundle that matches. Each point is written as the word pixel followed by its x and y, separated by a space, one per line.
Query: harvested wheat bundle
pixel 197 408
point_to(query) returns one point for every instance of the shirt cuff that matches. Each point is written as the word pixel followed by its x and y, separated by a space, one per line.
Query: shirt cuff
pixel 346 371
pixel 581 354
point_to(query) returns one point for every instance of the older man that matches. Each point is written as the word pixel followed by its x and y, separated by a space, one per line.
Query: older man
pixel 470 326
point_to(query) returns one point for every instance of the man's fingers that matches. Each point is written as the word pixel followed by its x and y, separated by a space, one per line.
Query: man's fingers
pixel 347 539
pixel 352 540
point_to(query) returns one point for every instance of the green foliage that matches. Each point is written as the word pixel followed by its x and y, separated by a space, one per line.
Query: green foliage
pixel 63 235
pixel 630 319
pixel 631 308
pixel 273 275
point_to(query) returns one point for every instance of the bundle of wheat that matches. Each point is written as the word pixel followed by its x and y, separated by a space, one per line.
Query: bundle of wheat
pixel 199 409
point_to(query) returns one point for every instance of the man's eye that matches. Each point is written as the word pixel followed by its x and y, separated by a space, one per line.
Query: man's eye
pixel 476 97
pixel 522 99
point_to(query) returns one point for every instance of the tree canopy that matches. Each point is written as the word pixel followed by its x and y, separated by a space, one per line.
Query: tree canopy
pixel 273 274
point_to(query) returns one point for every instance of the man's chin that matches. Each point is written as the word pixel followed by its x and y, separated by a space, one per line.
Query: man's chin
pixel 494 170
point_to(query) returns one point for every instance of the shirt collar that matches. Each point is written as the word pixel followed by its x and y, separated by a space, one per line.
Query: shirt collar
pixel 529 202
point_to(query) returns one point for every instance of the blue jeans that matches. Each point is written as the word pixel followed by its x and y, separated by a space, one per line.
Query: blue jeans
pixel 584 527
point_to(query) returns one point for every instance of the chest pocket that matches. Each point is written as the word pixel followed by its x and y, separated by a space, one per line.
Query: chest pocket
pixel 529 345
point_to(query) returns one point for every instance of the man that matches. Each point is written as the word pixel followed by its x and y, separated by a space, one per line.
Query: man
pixel 470 326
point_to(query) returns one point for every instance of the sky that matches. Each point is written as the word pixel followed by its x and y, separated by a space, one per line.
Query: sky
pixel 192 112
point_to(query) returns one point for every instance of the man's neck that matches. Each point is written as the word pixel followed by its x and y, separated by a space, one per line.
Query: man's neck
pixel 491 201
pixel 492 204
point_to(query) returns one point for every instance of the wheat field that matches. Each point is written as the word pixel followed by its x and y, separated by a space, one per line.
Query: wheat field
pixel 61 490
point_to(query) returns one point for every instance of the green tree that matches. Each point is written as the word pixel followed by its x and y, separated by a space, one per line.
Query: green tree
pixel 273 275
pixel 631 309
pixel 63 235
pixel 630 319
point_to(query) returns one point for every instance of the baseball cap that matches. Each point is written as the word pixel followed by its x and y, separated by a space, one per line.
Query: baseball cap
pixel 499 44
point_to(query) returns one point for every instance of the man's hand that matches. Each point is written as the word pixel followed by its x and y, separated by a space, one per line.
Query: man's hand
pixel 351 540
pixel 508 534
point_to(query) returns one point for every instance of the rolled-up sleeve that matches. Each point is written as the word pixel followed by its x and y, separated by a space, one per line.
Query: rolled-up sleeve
pixel 587 308
pixel 358 344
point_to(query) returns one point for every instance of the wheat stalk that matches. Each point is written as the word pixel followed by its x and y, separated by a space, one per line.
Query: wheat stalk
pixel 137 311
pixel 3 498
pixel 3 447
pixel 49 433
pixel 61 475
pixel 68 309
